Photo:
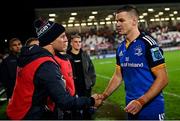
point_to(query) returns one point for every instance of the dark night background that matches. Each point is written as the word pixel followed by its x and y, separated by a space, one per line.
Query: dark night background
pixel 17 16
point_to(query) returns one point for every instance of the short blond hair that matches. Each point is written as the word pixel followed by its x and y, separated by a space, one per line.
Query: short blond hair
pixel 29 40
pixel 75 36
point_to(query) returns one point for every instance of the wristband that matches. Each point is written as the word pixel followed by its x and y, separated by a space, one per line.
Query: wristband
pixel 105 95
pixel 141 101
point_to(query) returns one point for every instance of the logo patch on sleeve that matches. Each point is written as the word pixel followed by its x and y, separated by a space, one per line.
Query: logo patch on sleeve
pixel 156 54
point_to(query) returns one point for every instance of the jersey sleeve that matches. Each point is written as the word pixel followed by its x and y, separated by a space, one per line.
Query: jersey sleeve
pixel 155 56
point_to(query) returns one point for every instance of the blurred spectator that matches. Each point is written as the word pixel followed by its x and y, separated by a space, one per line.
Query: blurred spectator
pixel 84 72
pixel 32 41
pixel 9 65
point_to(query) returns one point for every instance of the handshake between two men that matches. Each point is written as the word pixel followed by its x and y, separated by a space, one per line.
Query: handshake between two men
pixel 133 107
pixel 98 98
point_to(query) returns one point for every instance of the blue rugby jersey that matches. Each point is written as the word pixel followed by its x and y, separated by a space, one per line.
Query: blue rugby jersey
pixel 136 62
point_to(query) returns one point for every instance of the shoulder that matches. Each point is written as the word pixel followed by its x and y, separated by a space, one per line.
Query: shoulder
pixel 84 53
pixel 48 66
pixel 148 39
pixel 5 56
pixel 9 58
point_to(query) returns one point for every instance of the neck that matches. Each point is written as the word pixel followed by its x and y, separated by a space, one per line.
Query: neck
pixel 75 51
pixel 133 35
pixel 50 49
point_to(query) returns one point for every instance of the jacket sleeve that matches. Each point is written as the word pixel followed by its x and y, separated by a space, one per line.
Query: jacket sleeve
pixel 91 70
pixel 51 78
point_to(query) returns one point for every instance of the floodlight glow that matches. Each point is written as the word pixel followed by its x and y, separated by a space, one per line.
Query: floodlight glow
pixel 51 19
pixel 150 9
pixel 91 17
pixel 110 16
pixel 102 23
pixel 178 18
pixel 152 19
pixel 107 19
pixel 89 23
pixel 162 19
pixel 157 19
pixel 73 14
pixel 142 20
pixel 71 18
pixel 95 23
pixel 175 12
pixel 83 24
pixel 145 14
pixel 166 9
pixel 161 13
pixel 172 18
pixel 166 19
pixel 64 25
pixel 108 22
pixel 156 16
pixel 52 15
pixel 70 21
pixel 76 24
pixel 141 17
pixel 70 25
pixel 94 12
pixel 171 15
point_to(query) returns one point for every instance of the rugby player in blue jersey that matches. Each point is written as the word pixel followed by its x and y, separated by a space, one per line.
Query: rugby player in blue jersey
pixel 141 64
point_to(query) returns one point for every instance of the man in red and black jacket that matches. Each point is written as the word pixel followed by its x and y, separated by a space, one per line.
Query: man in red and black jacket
pixel 39 77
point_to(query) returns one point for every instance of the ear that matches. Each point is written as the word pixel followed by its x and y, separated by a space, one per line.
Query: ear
pixel 135 21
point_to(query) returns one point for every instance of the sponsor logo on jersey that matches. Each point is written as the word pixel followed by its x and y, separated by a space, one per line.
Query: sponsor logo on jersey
pixel 138 51
pixel 156 54
pixel 136 65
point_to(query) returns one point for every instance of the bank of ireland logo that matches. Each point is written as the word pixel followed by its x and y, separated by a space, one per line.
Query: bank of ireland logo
pixel 138 51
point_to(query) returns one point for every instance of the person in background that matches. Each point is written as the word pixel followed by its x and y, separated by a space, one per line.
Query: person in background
pixel 9 66
pixel 84 72
pixel 32 41
pixel 141 64
pixel 39 77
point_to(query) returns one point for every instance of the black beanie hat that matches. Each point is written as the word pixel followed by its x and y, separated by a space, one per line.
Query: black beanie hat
pixel 47 31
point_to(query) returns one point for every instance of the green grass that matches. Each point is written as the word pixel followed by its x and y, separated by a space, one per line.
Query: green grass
pixel 2 111
pixel 172 106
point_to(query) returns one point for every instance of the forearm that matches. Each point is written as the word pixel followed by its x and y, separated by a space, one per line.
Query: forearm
pixel 155 89
pixel 114 83
pixel 160 82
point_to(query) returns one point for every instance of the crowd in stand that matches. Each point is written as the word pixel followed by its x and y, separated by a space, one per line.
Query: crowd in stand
pixel 105 40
